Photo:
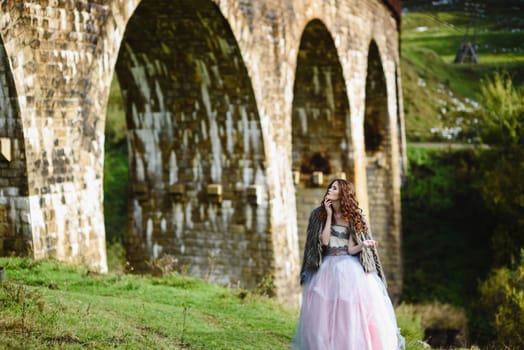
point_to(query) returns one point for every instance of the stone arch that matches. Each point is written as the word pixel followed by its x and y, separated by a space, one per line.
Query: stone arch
pixel 376 120
pixel 15 232
pixel 321 128
pixel 198 187
pixel 379 167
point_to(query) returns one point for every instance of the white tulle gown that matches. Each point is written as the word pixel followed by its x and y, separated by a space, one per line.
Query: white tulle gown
pixel 345 308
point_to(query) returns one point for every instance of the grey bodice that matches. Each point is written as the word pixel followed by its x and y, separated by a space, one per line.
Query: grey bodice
pixel 339 236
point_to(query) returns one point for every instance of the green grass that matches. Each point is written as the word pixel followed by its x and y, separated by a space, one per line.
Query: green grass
pixel 430 39
pixel 47 304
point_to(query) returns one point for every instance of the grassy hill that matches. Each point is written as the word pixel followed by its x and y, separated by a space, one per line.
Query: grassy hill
pixel 435 89
pixel 51 305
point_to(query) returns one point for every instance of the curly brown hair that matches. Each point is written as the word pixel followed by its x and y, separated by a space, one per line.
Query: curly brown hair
pixel 348 205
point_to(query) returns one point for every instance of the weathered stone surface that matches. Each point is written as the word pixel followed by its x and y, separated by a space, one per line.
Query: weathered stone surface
pixel 224 99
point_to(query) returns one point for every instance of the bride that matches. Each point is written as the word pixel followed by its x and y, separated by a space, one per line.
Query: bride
pixel 345 305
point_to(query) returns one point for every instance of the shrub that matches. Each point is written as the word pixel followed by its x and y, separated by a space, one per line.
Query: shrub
pixel 116 256
pixel 498 315
pixel 442 325
pixel 501 126
pixel 116 192
pixel 501 116
pixel 446 227
pixel 409 322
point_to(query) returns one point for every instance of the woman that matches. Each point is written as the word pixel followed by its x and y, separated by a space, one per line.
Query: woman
pixel 345 305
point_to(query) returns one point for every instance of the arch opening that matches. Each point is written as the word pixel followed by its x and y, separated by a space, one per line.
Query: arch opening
pixel 15 236
pixel 197 179
pixel 376 115
pixel 379 167
pixel 116 168
pixel 321 127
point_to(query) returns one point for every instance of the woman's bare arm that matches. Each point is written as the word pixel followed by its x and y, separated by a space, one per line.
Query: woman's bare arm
pixel 354 248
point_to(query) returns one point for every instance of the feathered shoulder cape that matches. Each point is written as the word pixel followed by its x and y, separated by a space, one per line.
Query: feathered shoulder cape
pixel 313 249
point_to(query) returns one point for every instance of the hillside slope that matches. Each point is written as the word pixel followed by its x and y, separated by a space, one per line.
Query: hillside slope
pixel 49 305
pixel 52 305
pixel 436 90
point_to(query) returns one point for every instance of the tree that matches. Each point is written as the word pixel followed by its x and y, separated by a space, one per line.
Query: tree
pixel 501 128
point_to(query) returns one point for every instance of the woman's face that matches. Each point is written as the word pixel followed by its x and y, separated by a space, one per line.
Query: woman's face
pixel 333 192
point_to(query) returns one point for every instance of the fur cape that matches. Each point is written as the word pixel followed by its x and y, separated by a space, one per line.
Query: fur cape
pixel 313 249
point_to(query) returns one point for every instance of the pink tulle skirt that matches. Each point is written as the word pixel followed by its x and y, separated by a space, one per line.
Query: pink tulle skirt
pixel 345 308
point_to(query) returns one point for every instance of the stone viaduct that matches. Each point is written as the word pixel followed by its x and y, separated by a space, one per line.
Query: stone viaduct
pixel 238 112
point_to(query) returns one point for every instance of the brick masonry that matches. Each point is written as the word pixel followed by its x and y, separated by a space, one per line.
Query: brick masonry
pixel 225 102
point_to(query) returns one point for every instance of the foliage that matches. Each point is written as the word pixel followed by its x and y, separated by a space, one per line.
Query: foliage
pixel 502 112
pixel 115 167
pixel 441 316
pixel 503 192
pixel 415 319
pixel 498 315
pixel 501 125
pixel 116 256
pixel 463 213
pixel 116 125
pixel 410 324
pixel 445 227
pixel 115 192
pixel 471 197
pixel 266 287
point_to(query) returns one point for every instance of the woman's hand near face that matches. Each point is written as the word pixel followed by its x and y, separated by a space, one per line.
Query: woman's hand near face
pixel 326 232
pixel 327 205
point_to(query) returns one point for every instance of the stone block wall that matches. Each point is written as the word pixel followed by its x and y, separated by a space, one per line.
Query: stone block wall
pixel 197 170
pixel 224 100
pixel 15 229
